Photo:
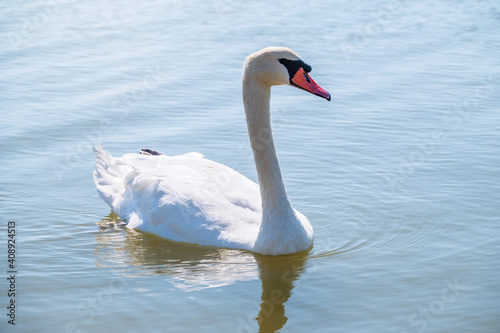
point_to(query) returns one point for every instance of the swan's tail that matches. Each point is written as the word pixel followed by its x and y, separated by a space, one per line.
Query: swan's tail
pixel 109 175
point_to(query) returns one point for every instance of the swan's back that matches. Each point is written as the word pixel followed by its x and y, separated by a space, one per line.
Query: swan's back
pixel 183 198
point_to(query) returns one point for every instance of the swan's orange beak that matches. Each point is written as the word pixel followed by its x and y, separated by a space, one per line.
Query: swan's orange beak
pixel 302 80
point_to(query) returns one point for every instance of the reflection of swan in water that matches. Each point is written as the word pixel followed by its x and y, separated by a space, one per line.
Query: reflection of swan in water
pixel 278 276
pixel 191 268
pixel 188 266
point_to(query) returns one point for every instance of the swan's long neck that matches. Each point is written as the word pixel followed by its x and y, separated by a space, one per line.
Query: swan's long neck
pixel 256 99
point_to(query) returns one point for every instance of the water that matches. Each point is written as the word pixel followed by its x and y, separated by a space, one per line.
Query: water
pixel 399 173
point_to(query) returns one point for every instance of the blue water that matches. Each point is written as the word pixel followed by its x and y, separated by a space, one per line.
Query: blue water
pixel 399 174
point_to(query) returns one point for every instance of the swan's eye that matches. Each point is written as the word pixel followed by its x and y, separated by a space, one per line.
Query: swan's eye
pixel 307 77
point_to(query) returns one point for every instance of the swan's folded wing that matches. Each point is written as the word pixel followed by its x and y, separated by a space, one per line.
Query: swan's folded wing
pixel 191 199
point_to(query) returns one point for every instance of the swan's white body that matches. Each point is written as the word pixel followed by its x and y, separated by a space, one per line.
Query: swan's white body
pixel 191 199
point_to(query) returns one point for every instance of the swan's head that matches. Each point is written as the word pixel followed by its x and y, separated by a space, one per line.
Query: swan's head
pixel 280 65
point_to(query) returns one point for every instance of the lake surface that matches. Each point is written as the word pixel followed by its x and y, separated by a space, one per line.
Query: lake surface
pixel 399 174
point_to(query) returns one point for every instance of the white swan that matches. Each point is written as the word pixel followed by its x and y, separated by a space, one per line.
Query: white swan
pixel 191 199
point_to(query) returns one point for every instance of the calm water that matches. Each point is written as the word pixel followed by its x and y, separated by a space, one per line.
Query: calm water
pixel 399 174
